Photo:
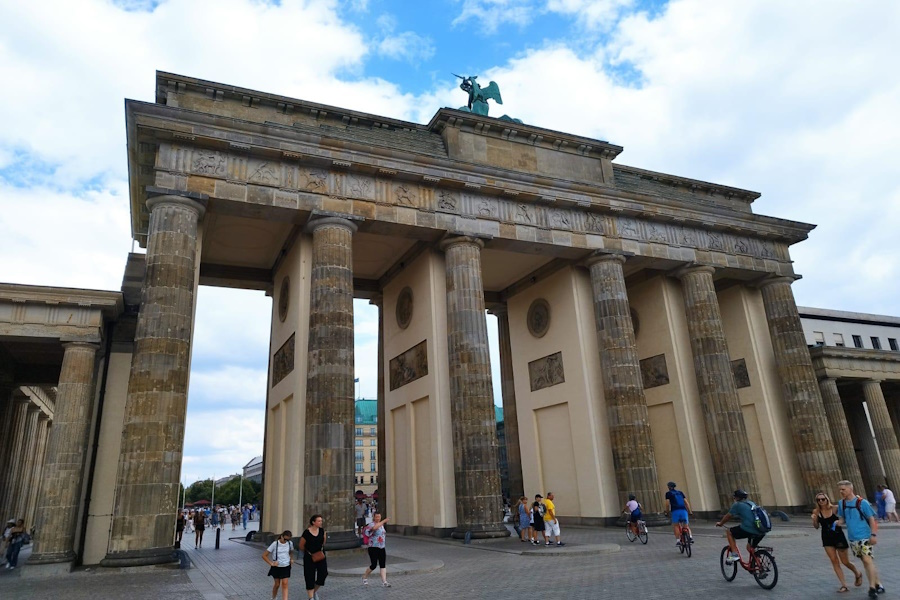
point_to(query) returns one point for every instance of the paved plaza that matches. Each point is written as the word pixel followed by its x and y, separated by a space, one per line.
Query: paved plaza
pixel 584 569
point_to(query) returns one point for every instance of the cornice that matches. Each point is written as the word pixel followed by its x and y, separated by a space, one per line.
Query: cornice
pixel 109 302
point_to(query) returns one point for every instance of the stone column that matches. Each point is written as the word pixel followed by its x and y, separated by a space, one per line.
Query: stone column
pixel 479 500
pixel 37 474
pixel 888 448
pixel 809 425
pixel 57 511
pixel 20 491
pixel 380 411
pixel 16 444
pixel 840 435
pixel 147 482
pixel 726 432
pixel 870 467
pixel 510 414
pixel 623 388
pixel 330 410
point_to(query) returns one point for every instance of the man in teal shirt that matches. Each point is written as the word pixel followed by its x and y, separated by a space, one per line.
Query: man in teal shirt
pixel 741 509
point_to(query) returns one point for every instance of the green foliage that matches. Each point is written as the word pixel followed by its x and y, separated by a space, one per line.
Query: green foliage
pixel 200 490
pixel 228 493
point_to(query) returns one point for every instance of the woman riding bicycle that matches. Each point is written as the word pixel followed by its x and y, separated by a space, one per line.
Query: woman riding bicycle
pixel 633 509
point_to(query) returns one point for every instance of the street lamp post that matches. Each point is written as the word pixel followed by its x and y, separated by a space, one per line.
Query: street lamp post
pixel 241 493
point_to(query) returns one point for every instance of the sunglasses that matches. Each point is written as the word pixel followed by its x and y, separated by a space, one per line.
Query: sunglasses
pixel 821 499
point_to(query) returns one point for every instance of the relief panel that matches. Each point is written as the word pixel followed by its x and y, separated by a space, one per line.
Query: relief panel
pixel 654 371
pixel 546 372
pixel 283 361
pixel 409 366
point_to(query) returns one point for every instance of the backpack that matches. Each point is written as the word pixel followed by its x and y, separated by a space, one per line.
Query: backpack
pixel 763 521
pixel 676 502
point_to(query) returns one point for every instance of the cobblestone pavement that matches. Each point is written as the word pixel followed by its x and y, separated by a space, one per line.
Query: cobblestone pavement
pixel 492 570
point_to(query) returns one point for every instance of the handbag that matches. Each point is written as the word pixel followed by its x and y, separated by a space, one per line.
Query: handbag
pixel 318 556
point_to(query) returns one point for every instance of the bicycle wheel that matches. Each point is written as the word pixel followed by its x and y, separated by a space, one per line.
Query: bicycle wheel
pixel 729 572
pixel 686 543
pixel 629 533
pixel 642 532
pixel 766 571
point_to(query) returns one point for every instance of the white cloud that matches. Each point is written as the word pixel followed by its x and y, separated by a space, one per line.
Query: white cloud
pixel 488 15
pixel 590 13
pixel 407 46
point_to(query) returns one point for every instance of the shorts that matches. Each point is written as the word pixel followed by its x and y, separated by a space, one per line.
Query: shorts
pixel 739 533
pixel 551 527
pixel 280 572
pixel 538 525
pixel 361 522
pixel 377 557
pixel 679 515
pixel 861 548
pixel 890 507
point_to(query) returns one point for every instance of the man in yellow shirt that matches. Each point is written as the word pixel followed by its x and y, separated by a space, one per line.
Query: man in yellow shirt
pixel 551 523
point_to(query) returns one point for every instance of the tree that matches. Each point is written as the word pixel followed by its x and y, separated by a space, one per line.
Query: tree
pixel 200 490
pixel 230 492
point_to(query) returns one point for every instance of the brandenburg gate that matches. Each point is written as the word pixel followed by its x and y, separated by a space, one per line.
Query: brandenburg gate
pixel 648 331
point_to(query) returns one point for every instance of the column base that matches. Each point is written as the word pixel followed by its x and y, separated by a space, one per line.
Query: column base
pixel 138 558
pixel 480 531
pixel 49 558
pixel 342 540
pixel 45 570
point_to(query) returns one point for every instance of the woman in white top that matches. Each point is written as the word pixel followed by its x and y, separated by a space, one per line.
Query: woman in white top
pixel 278 557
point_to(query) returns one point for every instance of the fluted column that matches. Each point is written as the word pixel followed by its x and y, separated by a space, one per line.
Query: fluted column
pixel 510 413
pixel 58 506
pixel 479 501
pixel 870 467
pixel 20 491
pixel 16 449
pixel 888 448
pixel 147 482
pixel 726 432
pixel 329 475
pixel 38 469
pixel 815 450
pixel 380 411
pixel 840 434
pixel 623 389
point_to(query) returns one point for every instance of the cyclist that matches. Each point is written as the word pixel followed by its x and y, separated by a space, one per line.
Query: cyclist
pixel 677 503
pixel 743 510
pixel 633 509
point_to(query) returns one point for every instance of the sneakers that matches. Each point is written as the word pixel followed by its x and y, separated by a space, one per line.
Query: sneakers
pixel 678 543
pixel 560 543
pixel 691 539
pixel 873 593
pixel 879 589
pixel 732 558
pixel 385 584
pixel 549 543
pixel 365 581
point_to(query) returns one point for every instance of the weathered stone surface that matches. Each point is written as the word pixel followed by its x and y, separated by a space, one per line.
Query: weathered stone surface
pixel 147 482
pixel 57 511
pixel 475 447
pixel 654 371
pixel 626 405
pixel 840 433
pixel 726 432
pixel 330 410
pixel 510 414
pixel 885 435
pixel 15 450
pixel 808 422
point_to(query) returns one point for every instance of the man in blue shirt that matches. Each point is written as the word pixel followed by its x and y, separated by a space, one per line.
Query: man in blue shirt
pixel 741 509
pixel 857 517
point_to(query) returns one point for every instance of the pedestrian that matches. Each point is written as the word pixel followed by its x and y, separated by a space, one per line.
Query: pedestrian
pixel 278 557
pixel 880 504
pixel 824 517
pixel 361 510
pixel 179 528
pixel 245 515
pixel 16 539
pixel 235 516
pixel 537 520
pixel 4 539
pixel 315 563
pixel 373 538
pixel 890 504
pixel 199 527
pixel 523 515
pixel 551 522
pixel 856 516
pixel 214 518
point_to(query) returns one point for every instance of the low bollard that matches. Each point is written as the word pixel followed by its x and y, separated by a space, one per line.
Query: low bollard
pixel 218 532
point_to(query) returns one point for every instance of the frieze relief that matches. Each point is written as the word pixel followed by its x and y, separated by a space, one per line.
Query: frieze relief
pixel 447 201
pixel 283 361
pixel 546 372
pixel 409 366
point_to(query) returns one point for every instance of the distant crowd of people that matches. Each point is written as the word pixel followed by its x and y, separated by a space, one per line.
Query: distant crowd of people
pixel 198 519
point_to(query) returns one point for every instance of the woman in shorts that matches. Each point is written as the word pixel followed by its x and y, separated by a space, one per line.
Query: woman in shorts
pixel 537 522
pixel 278 557
pixel 824 517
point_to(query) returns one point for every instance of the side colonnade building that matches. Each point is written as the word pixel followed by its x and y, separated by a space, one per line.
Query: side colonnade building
pixel 648 329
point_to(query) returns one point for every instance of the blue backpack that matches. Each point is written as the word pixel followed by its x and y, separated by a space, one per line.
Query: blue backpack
pixel 676 502
pixel 763 522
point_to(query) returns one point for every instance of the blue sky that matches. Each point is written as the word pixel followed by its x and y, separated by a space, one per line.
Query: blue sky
pixel 795 100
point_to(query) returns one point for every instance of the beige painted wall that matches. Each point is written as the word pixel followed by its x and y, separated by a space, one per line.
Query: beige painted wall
pixel 421 489
pixel 286 401
pixel 563 429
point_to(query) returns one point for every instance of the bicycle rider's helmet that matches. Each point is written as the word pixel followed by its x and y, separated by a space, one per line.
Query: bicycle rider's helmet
pixel 740 494
pixel 671 485
pixel 631 496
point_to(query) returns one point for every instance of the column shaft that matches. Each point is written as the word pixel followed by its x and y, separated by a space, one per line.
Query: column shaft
pixel 870 467
pixel 37 475
pixel 16 443
pixel 840 435
pixel 20 482
pixel 147 482
pixel 479 501
pixel 623 389
pixel 330 409
pixel 57 511
pixel 726 432
pixel 510 413
pixel 380 413
pixel 888 448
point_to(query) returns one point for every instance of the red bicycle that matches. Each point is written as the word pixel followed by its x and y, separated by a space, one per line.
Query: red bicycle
pixel 760 563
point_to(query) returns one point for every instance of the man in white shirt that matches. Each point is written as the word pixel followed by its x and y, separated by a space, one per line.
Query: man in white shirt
pixel 890 505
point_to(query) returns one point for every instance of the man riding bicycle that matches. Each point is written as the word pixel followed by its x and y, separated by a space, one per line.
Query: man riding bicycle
pixel 677 503
pixel 743 510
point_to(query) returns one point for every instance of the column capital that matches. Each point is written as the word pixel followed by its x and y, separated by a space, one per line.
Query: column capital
pixel 318 222
pixel 691 269
pixel 195 204
pixel 448 242
pixel 377 300
pixel 498 309
pixel 872 381
pixel 604 256
pixel 767 281
pixel 86 345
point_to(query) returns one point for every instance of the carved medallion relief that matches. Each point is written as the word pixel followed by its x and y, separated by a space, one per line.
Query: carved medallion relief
pixel 538 318
pixel 404 307
pixel 284 298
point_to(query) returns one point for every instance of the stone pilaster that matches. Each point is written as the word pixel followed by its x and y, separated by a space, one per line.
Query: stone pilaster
pixel 808 423
pixel 37 475
pixel 380 410
pixel 16 449
pixel 57 511
pixel 510 414
pixel 147 482
pixel 623 389
pixel 888 448
pixel 479 501
pixel 726 432
pixel 330 410
pixel 840 435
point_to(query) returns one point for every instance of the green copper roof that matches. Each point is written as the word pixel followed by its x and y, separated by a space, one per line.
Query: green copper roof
pixel 366 412
pixel 498 412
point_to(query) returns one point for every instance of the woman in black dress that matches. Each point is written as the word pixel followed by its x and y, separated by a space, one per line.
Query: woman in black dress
pixel 315 566
pixel 824 517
